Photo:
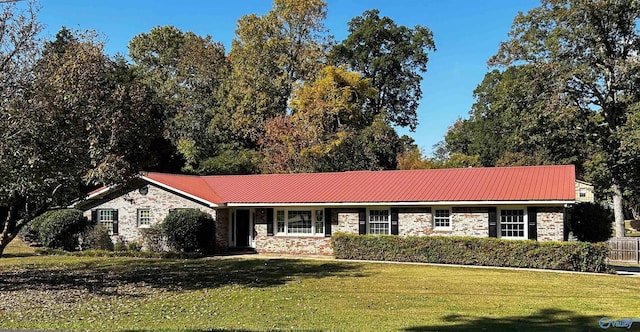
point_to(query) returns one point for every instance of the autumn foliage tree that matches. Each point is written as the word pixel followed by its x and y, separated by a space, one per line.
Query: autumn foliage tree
pixel 81 119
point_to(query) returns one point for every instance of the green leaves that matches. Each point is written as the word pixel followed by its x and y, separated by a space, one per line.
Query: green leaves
pixel 392 57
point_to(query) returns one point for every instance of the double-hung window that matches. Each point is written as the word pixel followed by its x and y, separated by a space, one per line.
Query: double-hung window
pixel 144 217
pixel 108 219
pixel 442 218
pixel 301 222
pixel 379 222
pixel 512 223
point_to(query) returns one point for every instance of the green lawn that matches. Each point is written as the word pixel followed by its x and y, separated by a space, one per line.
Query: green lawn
pixel 83 293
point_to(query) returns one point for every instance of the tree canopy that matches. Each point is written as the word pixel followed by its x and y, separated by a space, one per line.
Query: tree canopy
pixel 392 57
pixel 81 119
pixel 567 95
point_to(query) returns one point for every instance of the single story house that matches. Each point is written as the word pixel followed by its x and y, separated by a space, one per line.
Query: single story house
pixel 297 213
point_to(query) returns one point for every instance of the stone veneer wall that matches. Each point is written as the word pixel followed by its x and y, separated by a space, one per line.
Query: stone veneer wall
pixel 465 221
pixel 289 244
pixel 159 202
pixel 470 221
pixel 415 222
pixel 550 223
pixel 343 220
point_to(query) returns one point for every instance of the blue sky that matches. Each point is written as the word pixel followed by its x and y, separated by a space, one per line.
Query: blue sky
pixel 466 33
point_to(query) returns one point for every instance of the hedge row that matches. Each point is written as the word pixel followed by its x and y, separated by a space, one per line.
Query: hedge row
pixel 571 256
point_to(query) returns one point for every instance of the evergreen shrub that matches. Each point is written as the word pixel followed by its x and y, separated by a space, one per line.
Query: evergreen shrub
pixel 571 256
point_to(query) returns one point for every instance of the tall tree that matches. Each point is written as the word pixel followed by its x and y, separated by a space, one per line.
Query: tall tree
pixel 82 119
pixel 393 57
pixel 323 114
pixel 187 73
pixel 512 123
pixel 592 48
pixel 270 54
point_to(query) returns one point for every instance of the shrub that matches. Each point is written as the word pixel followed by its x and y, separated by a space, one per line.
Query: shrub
pixel 134 246
pixel 572 256
pixel 29 233
pixel 189 230
pixel 59 229
pixel 635 224
pixel 153 238
pixel 119 245
pixel 96 237
pixel 590 222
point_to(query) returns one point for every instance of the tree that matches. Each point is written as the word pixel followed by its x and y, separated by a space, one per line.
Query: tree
pixel 187 72
pixel 323 114
pixel 512 124
pixel 82 119
pixel 392 57
pixel 270 54
pixel 592 48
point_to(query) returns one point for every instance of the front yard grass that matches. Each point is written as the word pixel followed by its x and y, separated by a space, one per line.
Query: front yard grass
pixel 133 294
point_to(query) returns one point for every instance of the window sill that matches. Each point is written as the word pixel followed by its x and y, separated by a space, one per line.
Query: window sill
pixel 144 226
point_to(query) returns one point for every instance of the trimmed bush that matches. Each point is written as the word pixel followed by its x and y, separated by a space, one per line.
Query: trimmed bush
pixel 635 224
pixel 59 229
pixel 571 256
pixel 29 233
pixel 590 222
pixel 189 230
pixel 153 238
pixel 96 237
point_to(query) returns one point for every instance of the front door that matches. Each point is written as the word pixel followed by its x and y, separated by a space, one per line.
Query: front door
pixel 243 228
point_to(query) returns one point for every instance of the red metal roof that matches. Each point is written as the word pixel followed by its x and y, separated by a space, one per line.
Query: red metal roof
pixel 527 183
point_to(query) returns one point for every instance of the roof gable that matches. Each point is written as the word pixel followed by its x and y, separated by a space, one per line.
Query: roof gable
pixel 530 183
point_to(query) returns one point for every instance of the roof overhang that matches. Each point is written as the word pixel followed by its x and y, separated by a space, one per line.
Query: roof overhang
pixel 438 203
pixel 180 192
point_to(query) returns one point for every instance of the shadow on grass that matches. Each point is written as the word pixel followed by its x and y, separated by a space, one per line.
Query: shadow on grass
pixel 18 254
pixel 544 320
pixel 102 276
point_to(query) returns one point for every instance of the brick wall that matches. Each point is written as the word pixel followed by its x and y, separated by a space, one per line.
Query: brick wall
pixel 472 221
pixel 159 202
pixel 550 223
pixel 415 222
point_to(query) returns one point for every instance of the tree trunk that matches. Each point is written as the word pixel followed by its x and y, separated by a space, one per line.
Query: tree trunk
pixel 5 236
pixel 618 210
pixel 635 211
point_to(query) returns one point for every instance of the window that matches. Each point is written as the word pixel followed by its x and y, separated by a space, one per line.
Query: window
pixel 512 223
pixel 378 221
pixel 582 192
pixel 300 221
pixel 144 217
pixel 109 220
pixel 442 219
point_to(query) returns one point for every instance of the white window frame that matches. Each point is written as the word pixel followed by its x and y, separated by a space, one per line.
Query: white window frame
pixel 388 222
pixel 435 217
pixel 281 221
pixel 140 218
pixel 524 222
pixel 582 192
pixel 106 223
